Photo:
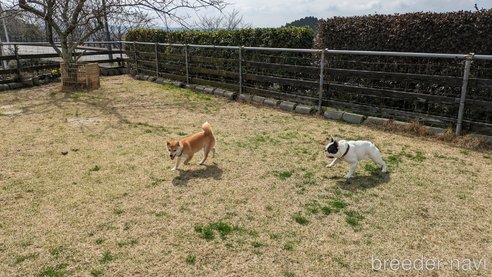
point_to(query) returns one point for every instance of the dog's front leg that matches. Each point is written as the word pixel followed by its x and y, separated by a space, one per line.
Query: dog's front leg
pixel 334 162
pixel 178 159
pixel 353 166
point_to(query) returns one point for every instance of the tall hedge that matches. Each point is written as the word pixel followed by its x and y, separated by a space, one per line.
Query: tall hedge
pixel 286 37
pixel 453 32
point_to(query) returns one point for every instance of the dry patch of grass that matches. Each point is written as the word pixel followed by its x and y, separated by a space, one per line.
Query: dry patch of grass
pixel 86 189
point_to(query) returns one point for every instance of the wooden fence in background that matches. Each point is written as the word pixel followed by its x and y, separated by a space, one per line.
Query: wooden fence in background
pixel 21 59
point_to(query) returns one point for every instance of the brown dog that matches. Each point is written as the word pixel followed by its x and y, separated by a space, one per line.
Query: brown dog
pixel 188 146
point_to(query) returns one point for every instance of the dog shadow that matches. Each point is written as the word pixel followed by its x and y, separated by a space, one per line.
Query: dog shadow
pixel 357 183
pixel 208 171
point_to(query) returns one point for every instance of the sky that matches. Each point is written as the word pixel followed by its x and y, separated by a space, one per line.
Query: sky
pixel 275 13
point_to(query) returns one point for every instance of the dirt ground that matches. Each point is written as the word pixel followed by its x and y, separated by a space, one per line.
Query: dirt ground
pixel 86 189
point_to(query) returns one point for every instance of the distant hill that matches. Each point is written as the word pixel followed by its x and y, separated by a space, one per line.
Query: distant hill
pixel 310 21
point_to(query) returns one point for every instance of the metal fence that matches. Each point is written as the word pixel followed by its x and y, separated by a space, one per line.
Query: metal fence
pixel 435 89
pixel 444 90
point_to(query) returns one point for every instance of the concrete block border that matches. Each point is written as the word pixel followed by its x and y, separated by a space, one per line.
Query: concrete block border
pixel 244 98
pixel 289 106
pixel 304 109
pixel 335 115
pixel 371 120
pixel 272 102
pixel 258 99
pixel 352 118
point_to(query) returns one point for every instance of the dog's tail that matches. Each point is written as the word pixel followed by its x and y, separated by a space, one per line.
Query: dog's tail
pixel 207 129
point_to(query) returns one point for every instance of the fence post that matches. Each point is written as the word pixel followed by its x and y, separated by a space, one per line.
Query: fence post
pixel 156 49
pixel 17 60
pixel 122 63
pixel 241 70
pixel 135 56
pixel 187 65
pixel 4 62
pixel 321 80
pixel 464 88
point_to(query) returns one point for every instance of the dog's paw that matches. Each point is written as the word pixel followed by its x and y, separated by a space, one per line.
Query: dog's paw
pixel 329 166
pixel 174 168
pixel 347 176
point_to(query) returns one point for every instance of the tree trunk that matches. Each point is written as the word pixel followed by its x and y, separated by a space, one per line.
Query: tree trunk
pixel 69 69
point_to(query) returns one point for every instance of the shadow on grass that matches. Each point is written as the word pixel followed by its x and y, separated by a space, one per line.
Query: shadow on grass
pixel 209 171
pixel 357 183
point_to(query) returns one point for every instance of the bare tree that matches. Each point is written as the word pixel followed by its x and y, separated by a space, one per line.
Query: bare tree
pixel 225 21
pixel 118 27
pixel 74 21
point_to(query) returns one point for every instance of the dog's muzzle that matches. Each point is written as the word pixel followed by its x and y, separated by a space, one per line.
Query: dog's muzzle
pixel 171 156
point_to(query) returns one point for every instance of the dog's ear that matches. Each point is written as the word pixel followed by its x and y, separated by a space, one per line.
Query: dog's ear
pixel 168 143
pixel 331 139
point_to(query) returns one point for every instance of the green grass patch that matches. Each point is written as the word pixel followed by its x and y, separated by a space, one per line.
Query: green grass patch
pixel 338 203
pixel 326 210
pixel 56 251
pixel 124 243
pixel 57 271
pixel 289 246
pixel 222 228
pixel 190 259
pixel 118 211
pixel 107 257
pixel 394 159
pixel 418 157
pixel 22 258
pixel 369 167
pixel 299 218
pixel 353 218
pixel 313 207
pixel 97 272
pixel 282 175
pixel 257 244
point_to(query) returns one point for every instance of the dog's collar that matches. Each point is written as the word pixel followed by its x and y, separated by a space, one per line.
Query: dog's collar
pixel 346 151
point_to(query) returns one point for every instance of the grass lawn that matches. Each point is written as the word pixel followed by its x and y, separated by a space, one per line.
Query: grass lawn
pixel 86 189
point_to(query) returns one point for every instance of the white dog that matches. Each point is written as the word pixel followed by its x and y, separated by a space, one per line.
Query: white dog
pixel 353 152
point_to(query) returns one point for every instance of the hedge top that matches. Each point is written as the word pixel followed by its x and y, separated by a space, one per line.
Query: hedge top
pixel 452 32
pixel 286 37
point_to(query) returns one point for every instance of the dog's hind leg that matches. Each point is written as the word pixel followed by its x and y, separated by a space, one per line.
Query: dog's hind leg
pixel 377 159
pixel 206 150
